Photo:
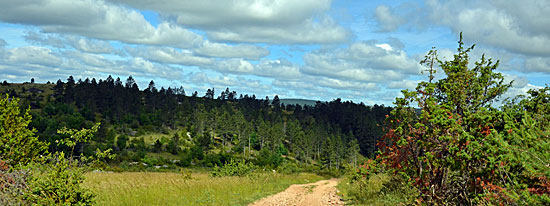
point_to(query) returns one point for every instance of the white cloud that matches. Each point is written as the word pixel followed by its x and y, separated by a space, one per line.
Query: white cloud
pixel 146 68
pixel 384 46
pixel 32 55
pixel 91 60
pixel 347 85
pixel 96 19
pixel 403 84
pixel 520 27
pixel 233 82
pixel 280 22
pixel 53 40
pixel 235 66
pixel 64 41
pixel 212 49
pixel 308 32
pixel 44 63
pixel 89 45
pixel 168 55
pixel 387 20
pixel 279 69
pixel 538 64
pixel 514 91
pixel 360 61
pixel 510 61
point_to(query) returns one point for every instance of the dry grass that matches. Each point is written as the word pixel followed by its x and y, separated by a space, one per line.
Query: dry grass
pixel 140 188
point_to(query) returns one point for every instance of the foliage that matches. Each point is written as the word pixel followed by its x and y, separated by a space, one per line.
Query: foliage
pixel 234 168
pixel 40 180
pixel 377 189
pixel 526 143
pixel 76 136
pixel 13 185
pixel 268 158
pixel 98 159
pixel 18 144
pixel 122 141
pixel 288 167
pixel 460 150
pixel 58 183
pixel 58 179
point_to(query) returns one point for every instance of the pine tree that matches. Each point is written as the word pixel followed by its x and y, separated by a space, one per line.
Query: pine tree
pixel 18 143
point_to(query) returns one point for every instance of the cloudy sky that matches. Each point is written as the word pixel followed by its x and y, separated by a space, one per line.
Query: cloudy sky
pixel 365 51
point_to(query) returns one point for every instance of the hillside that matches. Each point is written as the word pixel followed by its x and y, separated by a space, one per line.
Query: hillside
pixel 301 102
pixel 31 94
pixel 165 126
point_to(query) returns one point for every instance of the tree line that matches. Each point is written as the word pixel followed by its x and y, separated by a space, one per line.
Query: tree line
pixel 330 134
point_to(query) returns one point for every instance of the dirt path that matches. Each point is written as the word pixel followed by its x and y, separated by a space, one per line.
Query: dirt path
pixel 312 194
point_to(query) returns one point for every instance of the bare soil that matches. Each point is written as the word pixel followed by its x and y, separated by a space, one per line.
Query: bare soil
pixel 319 193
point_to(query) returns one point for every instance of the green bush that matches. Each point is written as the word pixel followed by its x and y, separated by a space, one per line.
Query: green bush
pixel 269 159
pixel 234 168
pixel 289 168
pixel 461 150
pixel 211 160
pixel 330 172
pixel 18 143
pixel 151 161
pixel 57 183
pixel 186 158
pixel 39 180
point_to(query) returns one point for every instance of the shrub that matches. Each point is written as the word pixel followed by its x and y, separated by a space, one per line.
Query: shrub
pixel 289 168
pixel 186 158
pixel 234 168
pixel 268 158
pixel 380 189
pixel 58 183
pixel 460 150
pixel 18 144
pixel 49 180
pixel 13 185
pixel 211 160
pixel 196 152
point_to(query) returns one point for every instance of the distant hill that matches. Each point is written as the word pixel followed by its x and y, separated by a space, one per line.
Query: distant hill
pixel 300 102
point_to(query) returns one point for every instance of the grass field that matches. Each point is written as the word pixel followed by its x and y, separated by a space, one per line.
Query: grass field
pixel 379 189
pixel 141 188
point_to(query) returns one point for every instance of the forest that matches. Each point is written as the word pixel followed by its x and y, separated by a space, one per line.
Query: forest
pixel 329 134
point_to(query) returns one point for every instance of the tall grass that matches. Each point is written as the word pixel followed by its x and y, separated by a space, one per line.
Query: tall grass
pixel 142 188
pixel 377 189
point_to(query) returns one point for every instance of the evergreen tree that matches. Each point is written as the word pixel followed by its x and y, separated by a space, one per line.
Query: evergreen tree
pixel 130 82
pixel 460 149
pixel 18 143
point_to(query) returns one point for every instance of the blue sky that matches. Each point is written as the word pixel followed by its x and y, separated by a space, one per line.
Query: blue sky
pixel 365 51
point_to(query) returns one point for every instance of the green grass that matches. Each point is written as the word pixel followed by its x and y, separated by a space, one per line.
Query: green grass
pixel 141 188
pixel 164 155
pixel 150 138
pixel 379 189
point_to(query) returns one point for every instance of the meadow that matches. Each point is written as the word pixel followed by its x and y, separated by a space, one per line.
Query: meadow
pixel 185 188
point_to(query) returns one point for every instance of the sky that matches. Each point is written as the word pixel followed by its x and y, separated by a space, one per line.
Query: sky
pixel 364 51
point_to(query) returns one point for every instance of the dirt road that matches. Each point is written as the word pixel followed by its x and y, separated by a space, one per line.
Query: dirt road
pixel 312 194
